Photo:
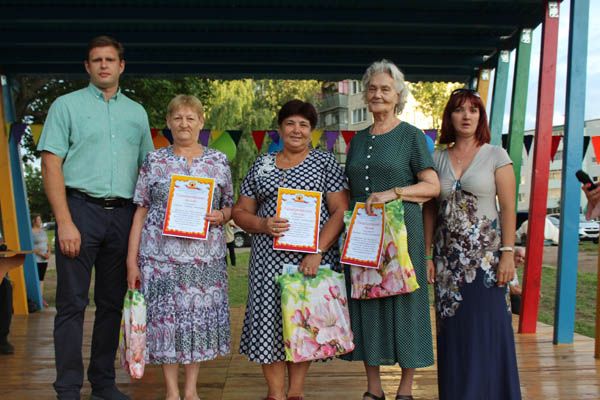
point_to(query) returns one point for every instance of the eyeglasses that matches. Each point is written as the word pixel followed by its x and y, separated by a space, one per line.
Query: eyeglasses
pixel 466 90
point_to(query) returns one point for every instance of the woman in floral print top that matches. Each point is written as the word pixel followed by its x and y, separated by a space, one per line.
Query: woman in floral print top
pixel 471 257
pixel 183 280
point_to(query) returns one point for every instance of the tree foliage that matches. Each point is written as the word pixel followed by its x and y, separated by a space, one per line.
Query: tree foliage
pixel 38 203
pixel 432 97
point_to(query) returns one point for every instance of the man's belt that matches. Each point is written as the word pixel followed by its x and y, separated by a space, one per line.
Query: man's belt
pixel 109 202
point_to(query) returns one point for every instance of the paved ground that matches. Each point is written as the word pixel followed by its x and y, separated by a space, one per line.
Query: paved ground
pixel 587 262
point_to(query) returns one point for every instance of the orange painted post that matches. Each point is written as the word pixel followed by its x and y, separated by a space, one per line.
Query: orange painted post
pixel 540 171
pixel 9 215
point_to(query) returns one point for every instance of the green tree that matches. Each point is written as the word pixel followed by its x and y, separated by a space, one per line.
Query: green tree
pixel 432 97
pixel 38 203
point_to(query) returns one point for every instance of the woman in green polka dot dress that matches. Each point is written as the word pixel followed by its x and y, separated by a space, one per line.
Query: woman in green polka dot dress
pixel 386 161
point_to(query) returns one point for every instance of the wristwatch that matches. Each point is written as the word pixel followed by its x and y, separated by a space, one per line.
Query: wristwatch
pixel 398 192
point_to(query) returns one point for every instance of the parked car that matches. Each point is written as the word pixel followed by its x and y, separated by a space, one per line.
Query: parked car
pixel 588 230
pixel 48 226
pixel 241 238
pixel 550 232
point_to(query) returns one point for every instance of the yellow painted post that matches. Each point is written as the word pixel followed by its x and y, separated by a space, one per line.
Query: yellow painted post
pixel 9 216
pixel 483 85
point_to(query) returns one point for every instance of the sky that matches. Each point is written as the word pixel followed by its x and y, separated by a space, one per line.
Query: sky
pixel 592 108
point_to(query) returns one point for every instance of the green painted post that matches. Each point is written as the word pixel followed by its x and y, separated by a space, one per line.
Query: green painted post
pixel 518 105
pixel 499 99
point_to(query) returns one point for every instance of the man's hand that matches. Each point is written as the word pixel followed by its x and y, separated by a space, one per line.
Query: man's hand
pixel 69 239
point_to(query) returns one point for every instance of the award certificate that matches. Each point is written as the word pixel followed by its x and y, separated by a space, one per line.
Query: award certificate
pixel 365 237
pixel 302 209
pixel 190 199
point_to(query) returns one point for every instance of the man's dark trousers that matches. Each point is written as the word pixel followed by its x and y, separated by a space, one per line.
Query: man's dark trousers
pixel 104 236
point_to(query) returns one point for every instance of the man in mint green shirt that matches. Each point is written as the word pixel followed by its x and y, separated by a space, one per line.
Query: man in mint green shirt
pixel 93 143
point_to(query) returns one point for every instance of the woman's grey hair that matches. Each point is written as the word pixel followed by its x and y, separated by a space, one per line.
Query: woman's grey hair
pixel 392 70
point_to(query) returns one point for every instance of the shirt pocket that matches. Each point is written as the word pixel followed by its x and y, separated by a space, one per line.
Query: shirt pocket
pixel 88 129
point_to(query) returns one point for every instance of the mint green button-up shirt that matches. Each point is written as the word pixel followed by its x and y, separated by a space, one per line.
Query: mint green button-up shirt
pixel 102 143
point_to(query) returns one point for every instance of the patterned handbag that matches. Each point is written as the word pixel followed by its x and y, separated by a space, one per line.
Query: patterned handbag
pixel 316 321
pixel 132 337
pixel 396 274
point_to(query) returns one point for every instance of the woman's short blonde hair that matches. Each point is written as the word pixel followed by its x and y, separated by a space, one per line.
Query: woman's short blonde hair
pixel 185 100
pixel 392 70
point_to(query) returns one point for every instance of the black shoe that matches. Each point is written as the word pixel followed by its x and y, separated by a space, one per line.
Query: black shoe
pixel 7 348
pixel 109 393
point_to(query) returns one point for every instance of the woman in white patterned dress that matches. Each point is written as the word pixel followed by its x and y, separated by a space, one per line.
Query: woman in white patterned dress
pixel 297 166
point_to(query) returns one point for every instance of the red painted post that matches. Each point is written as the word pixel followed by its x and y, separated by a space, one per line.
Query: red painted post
pixel 540 171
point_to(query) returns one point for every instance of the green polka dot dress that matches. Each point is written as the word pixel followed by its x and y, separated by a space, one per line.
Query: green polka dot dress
pixel 393 329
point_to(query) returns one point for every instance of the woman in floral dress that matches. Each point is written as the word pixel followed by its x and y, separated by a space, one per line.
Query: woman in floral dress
pixel 297 166
pixel 473 257
pixel 183 280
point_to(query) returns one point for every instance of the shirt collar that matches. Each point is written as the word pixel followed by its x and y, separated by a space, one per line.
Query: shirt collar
pixel 98 93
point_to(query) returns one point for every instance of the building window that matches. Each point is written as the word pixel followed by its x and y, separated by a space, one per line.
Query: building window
pixel 555 175
pixel 355 87
pixel 359 115
pixel 558 155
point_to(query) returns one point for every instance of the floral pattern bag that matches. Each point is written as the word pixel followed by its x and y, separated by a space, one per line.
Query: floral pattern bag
pixel 396 274
pixel 316 321
pixel 132 337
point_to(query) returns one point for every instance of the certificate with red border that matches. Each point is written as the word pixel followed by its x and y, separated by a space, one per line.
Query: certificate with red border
pixel 190 199
pixel 364 240
pixel 302 209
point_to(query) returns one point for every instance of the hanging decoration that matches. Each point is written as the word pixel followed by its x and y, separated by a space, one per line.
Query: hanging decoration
pixel 555 142
pixel 275 147
pixel 204 137
pixel 527 140
pixel 159 140
pixel 431 133
pixel 225 144
pixel 168 134
pixel 596 144
pixel 348 135
pixel 215 134
pixel 259 137
pixel 316 137
pixel 274 135
pixel 586 143
pixel 17 130
pixel 36 132
pixel 330 139
pixel 236 135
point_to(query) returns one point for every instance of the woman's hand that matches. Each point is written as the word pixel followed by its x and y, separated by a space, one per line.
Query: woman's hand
pixel 380 197
pixel 593 198
pixel 310 264
pixel 216 217
pixel 506 268
pixel 430 272
pixel 275 226
pixel 133 274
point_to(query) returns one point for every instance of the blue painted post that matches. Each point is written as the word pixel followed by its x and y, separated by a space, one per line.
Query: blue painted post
pixel 499 99
pixel 566 280
pixel 21 205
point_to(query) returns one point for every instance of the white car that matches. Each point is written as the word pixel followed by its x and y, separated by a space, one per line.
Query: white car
pixel 588 230
pixel 550 232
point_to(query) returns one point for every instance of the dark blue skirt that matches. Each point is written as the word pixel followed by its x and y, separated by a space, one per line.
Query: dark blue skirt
pixel 476 347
